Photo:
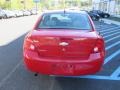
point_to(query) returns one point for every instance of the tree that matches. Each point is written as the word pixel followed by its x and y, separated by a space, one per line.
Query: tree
pixel 16 4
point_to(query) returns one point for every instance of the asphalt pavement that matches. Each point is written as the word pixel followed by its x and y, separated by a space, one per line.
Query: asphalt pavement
pixel 15 76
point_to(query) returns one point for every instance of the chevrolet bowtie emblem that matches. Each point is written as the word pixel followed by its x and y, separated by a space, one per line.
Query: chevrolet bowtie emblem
pixel 63 44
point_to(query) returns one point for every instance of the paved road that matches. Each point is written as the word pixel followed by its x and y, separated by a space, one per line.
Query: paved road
pixel 14 76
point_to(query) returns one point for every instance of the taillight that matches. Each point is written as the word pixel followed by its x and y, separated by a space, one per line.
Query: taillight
pixel 32 47
pixel 99 46
pixel 28 44
pixel 96 49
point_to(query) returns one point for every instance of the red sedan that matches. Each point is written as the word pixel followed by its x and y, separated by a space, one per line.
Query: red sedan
pixel 64 43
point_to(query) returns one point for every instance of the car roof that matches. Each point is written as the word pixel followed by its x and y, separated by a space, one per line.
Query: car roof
pixel 64 11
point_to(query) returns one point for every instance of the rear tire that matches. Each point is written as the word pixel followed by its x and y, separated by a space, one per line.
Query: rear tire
pixel 106 16
pixel 97 19
pixel 5 17
pixel 93 18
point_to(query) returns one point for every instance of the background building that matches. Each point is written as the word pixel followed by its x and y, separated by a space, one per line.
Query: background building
pixel 110 6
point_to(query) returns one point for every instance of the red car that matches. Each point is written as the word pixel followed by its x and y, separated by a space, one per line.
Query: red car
pixel 64 43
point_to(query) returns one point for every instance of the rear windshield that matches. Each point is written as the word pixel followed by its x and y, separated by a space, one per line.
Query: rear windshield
pixel 65 21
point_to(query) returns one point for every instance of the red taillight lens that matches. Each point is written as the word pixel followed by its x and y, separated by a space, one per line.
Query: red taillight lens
pixel 99 46
pixel 28 44
pixel 96 49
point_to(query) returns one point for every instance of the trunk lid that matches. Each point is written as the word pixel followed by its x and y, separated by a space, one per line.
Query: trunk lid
pixel 65 44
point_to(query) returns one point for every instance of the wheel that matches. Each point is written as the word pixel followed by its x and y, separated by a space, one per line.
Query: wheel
pixel 97 18
pixel 16 16
pixel 106 16
pixel 5 17
pixel 94 18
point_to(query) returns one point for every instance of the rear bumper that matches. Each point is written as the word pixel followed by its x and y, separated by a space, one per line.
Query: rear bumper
pixel 63 67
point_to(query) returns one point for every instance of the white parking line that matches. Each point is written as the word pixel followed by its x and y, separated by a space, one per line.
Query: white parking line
pixel 109 29
pixel 112 39
pixel 112 45
pixel 52 84
pixel 110 57
pixel 116 73
pixel 9 74
pixel 111 34
pixel 101 28
pixel 96 77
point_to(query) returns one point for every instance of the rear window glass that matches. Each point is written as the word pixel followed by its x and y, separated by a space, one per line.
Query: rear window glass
pixel 65 21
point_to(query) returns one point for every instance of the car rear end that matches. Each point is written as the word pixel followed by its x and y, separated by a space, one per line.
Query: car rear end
pixel 68 51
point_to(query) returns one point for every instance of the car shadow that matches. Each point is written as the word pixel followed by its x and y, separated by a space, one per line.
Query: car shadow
pixel 10 56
